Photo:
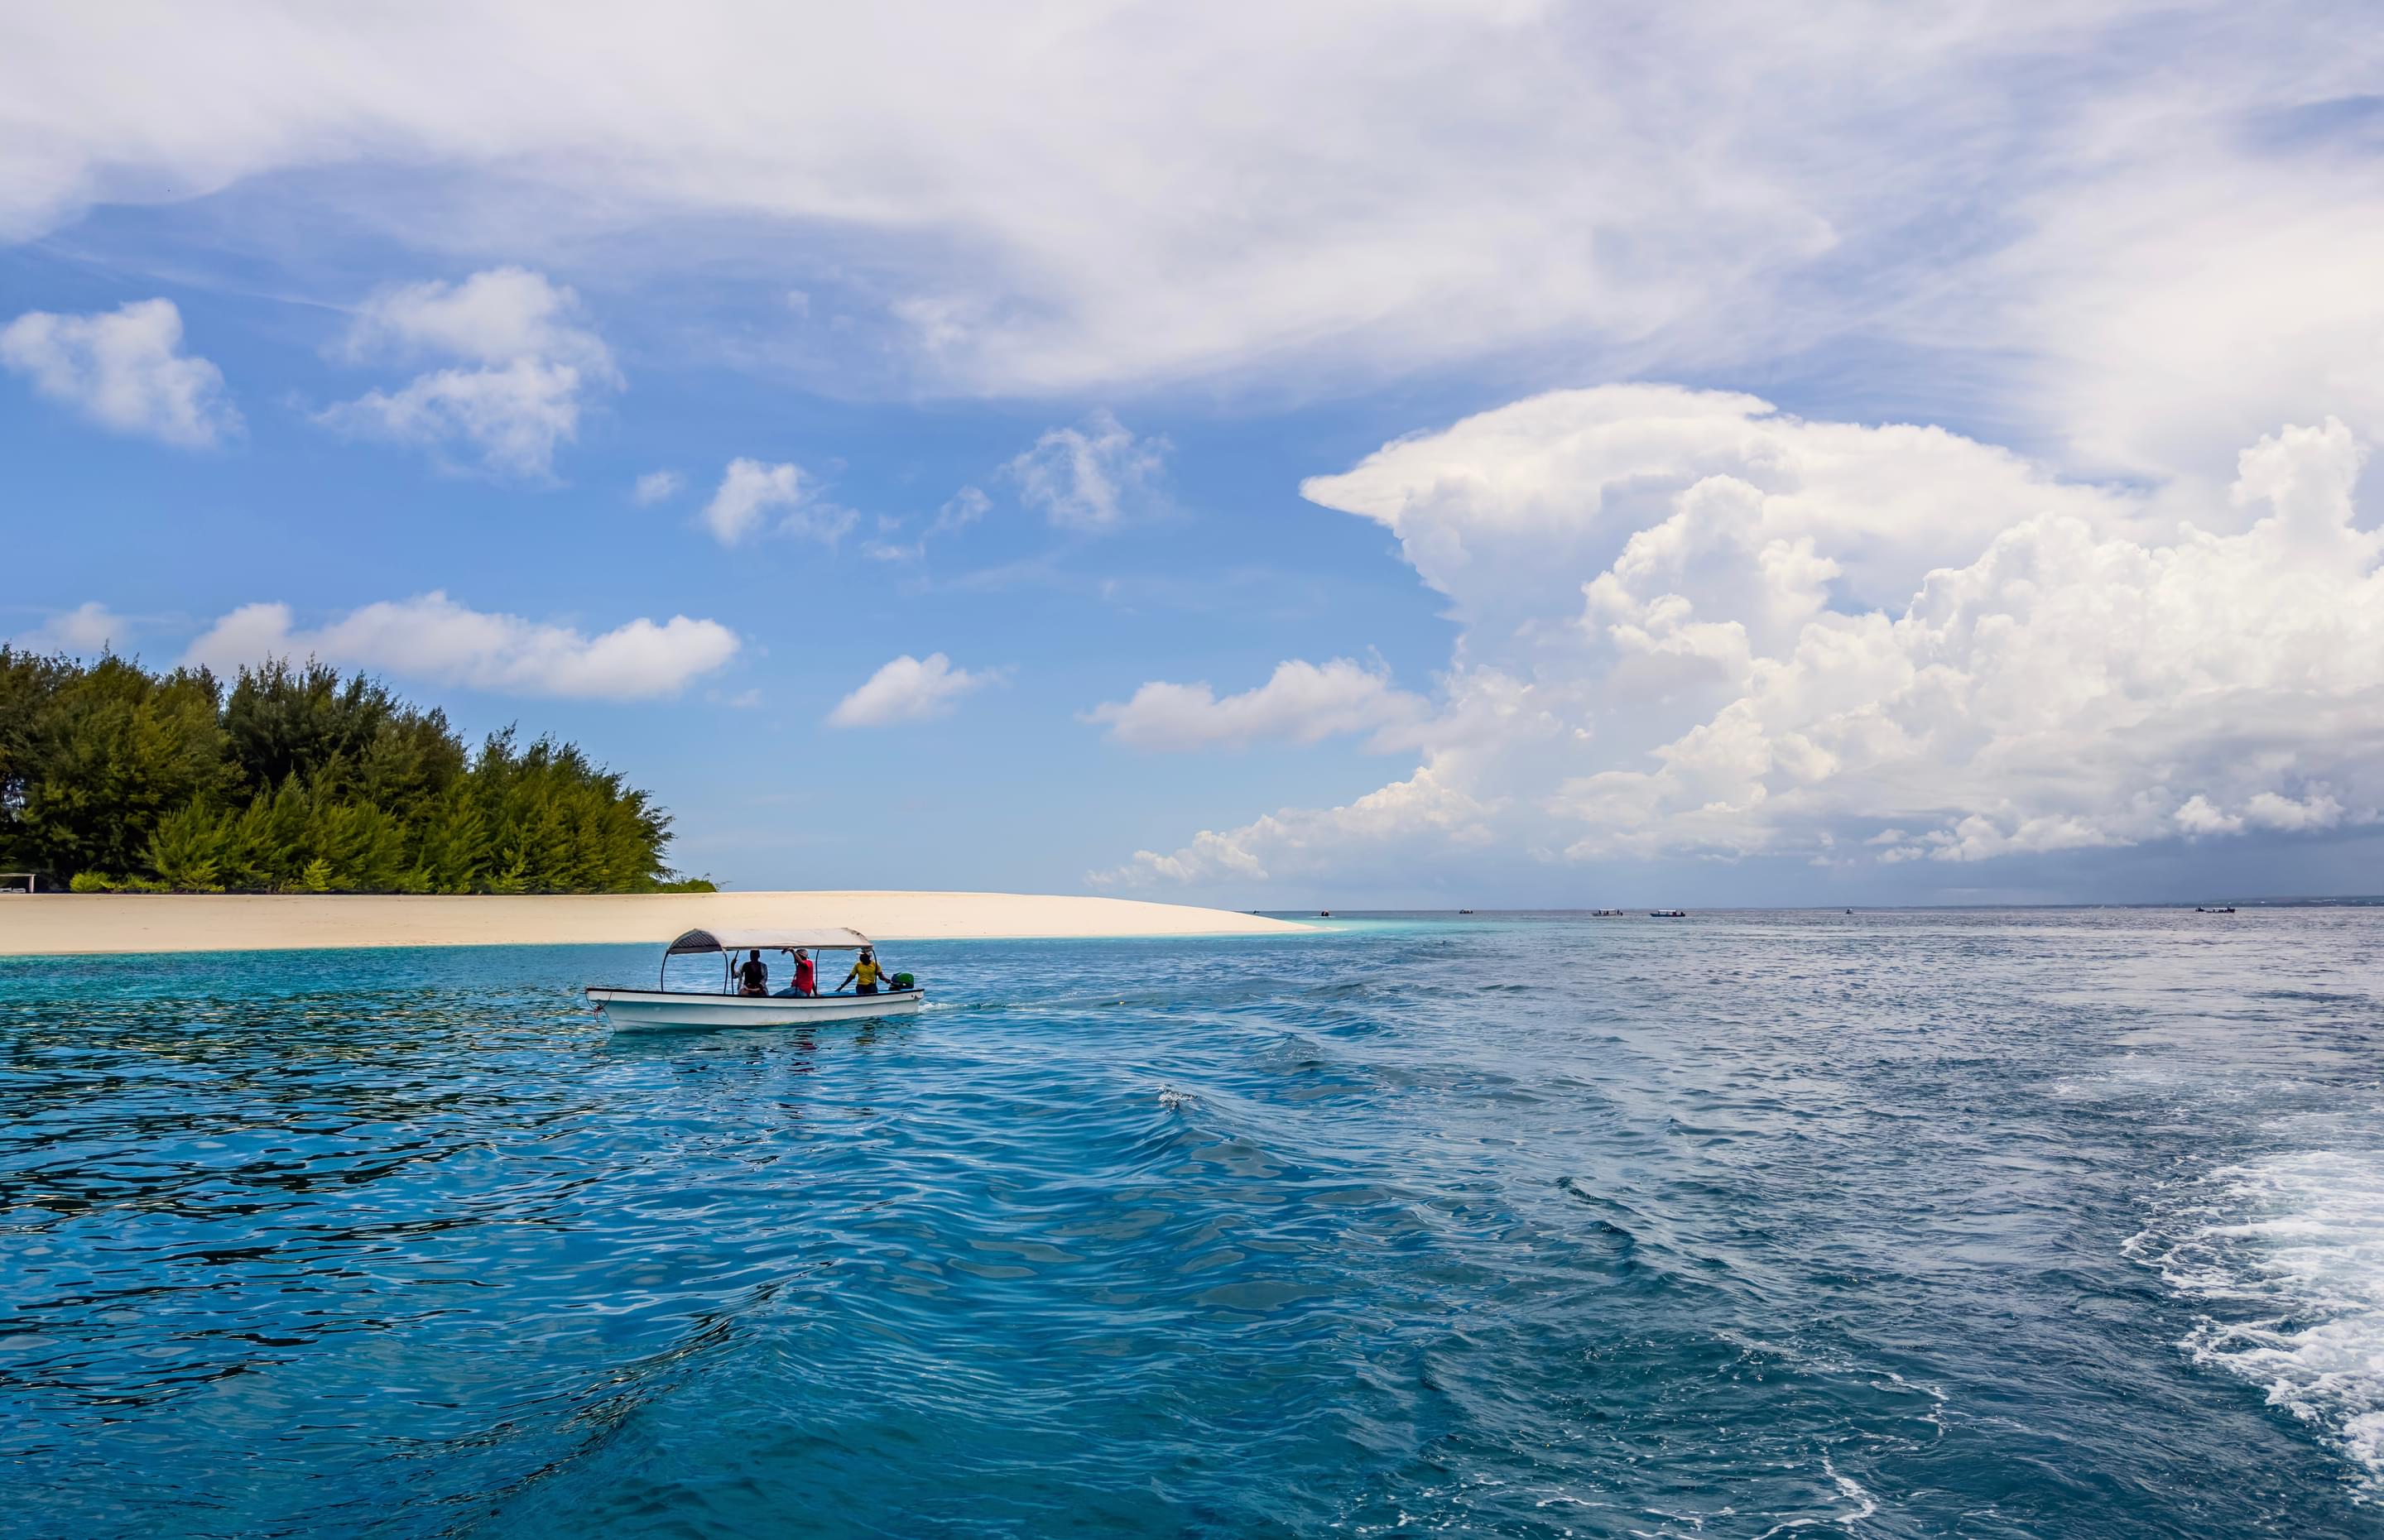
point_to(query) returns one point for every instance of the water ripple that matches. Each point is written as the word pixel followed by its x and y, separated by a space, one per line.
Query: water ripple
pixel 1995 1224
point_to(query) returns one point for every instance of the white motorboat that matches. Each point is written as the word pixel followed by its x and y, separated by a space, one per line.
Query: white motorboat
pixel 632 1009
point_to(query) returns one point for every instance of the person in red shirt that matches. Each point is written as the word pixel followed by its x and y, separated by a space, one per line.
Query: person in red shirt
pixel 806 981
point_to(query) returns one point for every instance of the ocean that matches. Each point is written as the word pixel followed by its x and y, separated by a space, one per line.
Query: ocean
pixel 2034 1222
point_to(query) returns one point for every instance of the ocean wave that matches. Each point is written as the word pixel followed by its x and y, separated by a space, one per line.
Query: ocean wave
pixel 1714 1235
pixel 2289 1253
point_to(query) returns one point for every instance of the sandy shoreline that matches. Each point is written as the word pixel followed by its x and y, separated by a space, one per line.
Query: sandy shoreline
pixel 61 924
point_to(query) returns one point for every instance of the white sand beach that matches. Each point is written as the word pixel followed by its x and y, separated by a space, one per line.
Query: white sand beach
pixel 54 924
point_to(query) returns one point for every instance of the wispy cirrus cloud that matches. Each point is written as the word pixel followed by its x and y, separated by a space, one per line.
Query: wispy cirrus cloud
pixel 657 486
pixel 1505 179
pixel 1089 476
pixel 960 509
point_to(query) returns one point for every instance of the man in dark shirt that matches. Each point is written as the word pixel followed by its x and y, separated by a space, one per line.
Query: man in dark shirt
pixel 752 974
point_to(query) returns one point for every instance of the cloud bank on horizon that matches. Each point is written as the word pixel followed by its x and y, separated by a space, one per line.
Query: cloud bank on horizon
pixel 1847 645
pixel 2128 248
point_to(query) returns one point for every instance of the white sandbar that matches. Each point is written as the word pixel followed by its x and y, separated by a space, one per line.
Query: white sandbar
pixel 54 924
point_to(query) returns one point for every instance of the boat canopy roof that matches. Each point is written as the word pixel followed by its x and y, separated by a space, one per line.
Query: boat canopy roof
pixel 778 939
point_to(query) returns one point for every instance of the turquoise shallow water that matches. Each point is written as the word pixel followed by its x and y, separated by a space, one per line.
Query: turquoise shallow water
pixel 2039 1224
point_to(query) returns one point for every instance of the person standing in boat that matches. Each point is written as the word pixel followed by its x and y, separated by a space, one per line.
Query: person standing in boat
pixel 806 981
pixel 865 974
pixel 753 974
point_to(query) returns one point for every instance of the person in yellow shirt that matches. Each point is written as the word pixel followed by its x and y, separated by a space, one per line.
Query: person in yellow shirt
pixel 867 975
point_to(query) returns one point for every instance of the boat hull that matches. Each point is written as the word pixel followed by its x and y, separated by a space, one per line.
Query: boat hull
pixel 644 1010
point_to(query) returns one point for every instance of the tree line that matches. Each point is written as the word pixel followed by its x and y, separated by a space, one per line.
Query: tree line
pixel 296 780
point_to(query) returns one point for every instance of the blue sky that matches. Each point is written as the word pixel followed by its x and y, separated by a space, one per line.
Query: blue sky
pixel 1430 455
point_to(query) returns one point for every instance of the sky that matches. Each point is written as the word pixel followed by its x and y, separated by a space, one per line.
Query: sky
pixel 1403 454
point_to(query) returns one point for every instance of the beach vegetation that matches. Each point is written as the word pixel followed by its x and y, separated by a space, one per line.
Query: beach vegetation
pixel 115 778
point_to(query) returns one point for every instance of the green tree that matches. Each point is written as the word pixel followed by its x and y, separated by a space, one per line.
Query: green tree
pixel 114 750
pixel 28 687
pixel 298 781
pixel 187 850
pixel 284 718
pixel 450 848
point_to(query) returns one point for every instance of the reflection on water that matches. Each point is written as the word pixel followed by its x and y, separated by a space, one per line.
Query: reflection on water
pixel 2038 1224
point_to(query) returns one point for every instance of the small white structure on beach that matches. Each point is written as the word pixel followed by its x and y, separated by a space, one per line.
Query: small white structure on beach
pixel 630 1009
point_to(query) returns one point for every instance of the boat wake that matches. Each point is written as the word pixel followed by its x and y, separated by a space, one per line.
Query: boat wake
pixel 2288 1253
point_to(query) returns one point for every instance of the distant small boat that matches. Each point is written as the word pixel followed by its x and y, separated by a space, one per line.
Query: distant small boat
pixel 2226 909
pixel 1668 914
pixel 1606 914
pixel 1464 911
pixel 1324 914
pixel 625 1009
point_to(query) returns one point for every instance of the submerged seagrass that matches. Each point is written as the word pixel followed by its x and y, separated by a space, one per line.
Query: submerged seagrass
pixel 1924 1223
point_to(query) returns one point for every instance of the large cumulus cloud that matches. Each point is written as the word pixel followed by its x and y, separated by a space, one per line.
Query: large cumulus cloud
pixel 1696 626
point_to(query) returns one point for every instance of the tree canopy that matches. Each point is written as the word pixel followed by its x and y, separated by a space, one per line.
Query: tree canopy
pixel 296 780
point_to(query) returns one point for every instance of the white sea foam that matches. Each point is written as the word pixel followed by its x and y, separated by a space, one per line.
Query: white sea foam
pixel 2294 1245
pixel 1865 1505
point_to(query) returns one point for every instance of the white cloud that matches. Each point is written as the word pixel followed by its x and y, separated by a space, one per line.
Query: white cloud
pixel 963 508
pixel 1396 185
pixel 2181 289
pixel 493 317
pixel 750 491
pixel 908 689
pixel 1301 703
pixel 960 509
pixel 2196 815
pixel 1507 512
pixel 530 368
pixel 2318 810
pixel 1344 842
pixel 512 416
pixel 657 486
pixel 124 369
pixel 1091 476
pixel 85 630
pixel 1697 627
pixel 432 637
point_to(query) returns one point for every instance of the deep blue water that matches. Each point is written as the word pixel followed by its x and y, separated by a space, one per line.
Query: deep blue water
pixel 2016 1223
